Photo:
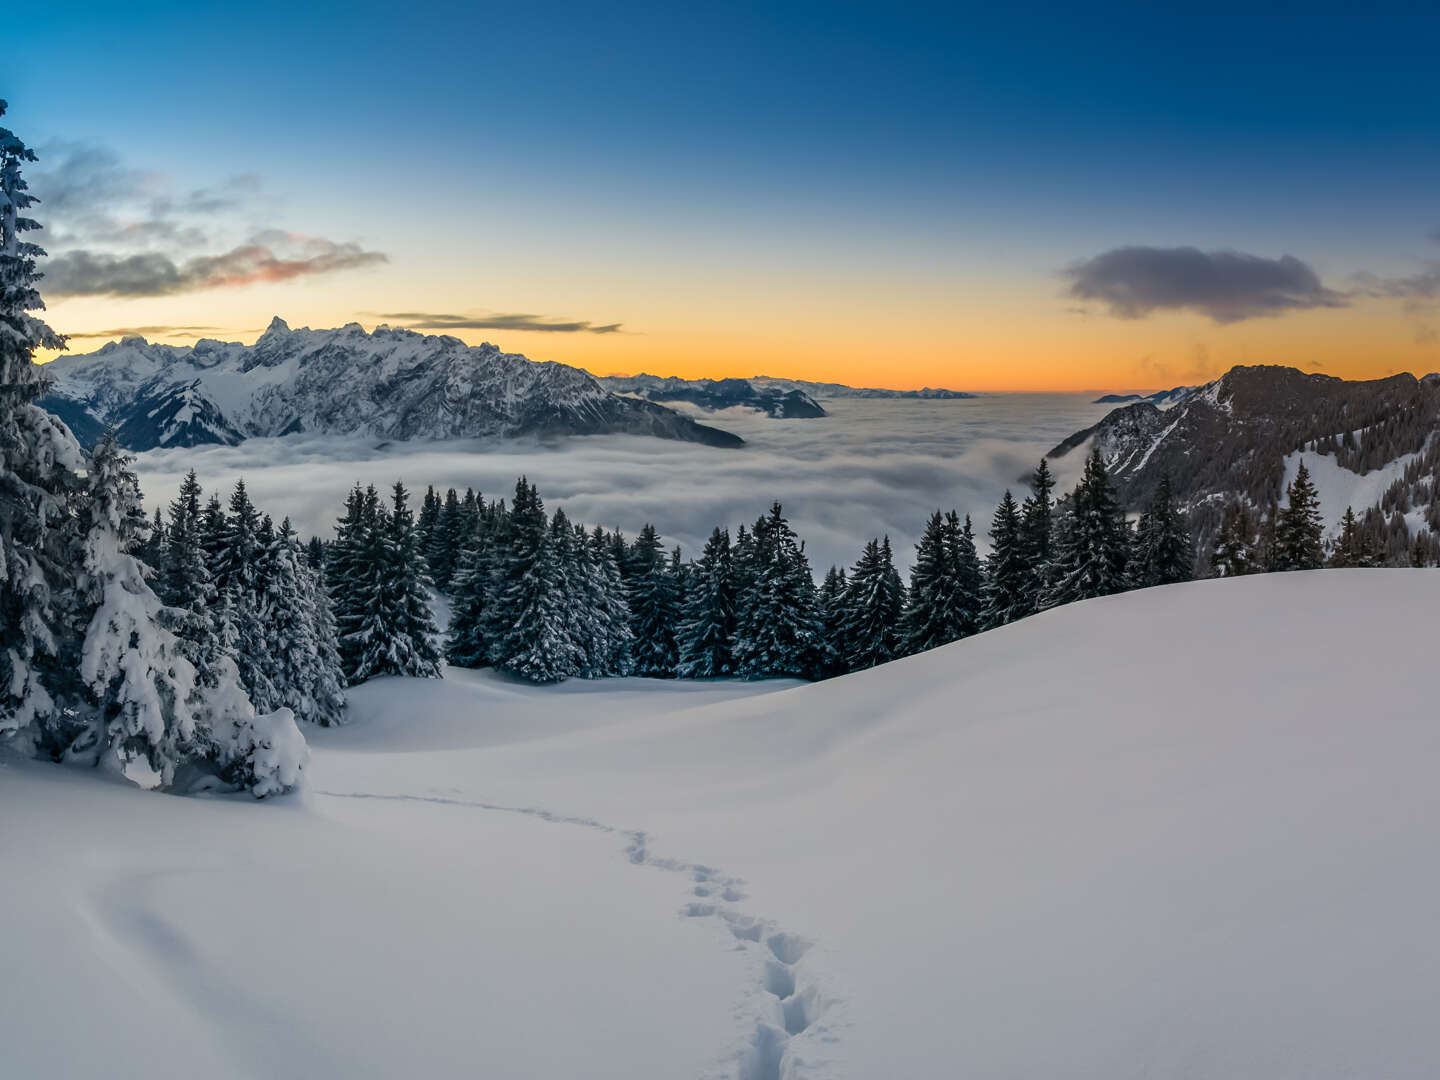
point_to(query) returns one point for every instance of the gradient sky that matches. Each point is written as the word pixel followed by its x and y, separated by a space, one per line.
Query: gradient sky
pixel 899 195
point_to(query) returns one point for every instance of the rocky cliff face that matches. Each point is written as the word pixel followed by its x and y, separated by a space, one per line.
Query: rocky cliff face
pixel 390 384
pixel 782 404
pixel 1230 438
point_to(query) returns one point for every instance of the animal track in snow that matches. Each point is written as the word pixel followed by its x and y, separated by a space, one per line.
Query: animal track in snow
pixel 788 1009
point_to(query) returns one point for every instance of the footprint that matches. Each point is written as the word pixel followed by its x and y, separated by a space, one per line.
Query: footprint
pixel 787 948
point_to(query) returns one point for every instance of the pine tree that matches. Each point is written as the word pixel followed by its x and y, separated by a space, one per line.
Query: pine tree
pixel 651 592
pixel 1299 528
pixel 614 641
pixel 928 619
pixel 778 631
pixel 1164 550
pixel 348 576
pixel 1093 549
pixel 830 601
pixel 967 604
pixel 397 633
pixel 238 573
pixel 300 672
pixel 466 644
pixel 874 603
pixel 525 613
pixel 1037 534
pixel 1233 552
pixel 184 582
pixel 40 475
pixel 708 630
pixel 1007 574
pixel 446 540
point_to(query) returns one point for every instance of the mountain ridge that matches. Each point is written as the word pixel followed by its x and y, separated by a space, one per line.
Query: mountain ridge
pixel 388 383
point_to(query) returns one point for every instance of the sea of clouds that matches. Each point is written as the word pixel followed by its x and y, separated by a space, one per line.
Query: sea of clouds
pixel 871 468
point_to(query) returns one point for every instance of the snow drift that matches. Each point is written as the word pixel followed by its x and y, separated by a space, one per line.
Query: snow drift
pixel 1185 831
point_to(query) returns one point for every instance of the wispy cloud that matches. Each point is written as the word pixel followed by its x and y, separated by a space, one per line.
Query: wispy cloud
pixel 422 320
pixel 151 332
pixel 269 256
pixel 1422 286
pixel 1226 286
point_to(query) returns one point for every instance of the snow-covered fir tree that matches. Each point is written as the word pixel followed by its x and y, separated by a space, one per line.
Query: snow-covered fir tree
pixel 778 630
pixel 301 669
pixel 874 604
pixel 1233 553
pixel 1007 571
pixel 526 613
pixel 40 477
pixel 1299 527
pixel 610 652
pixel 466 644
pixel 707 631
pixel 651 592
pixel 830 602
pixel 1037 533
pixel 148 708
pixel 1164 548
pixel 185 584
pixel 350 572
pixel 396 633
pixel 1092 554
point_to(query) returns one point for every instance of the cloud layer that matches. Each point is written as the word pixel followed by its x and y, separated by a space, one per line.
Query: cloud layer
pixel 1226 286
pixel 421 320
pixel 871 467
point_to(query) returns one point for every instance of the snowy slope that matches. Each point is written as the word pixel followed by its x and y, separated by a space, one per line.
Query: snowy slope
pixel 392 384
pixel 1180 832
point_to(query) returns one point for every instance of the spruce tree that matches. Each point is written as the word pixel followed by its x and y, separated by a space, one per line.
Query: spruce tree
pixel 1164 550
pixel 967 604
pixel 1233 552
pixel 929 621
pixel 830 601
pixel 348 576
pixel 874 603
pixel 397 632
pixel 778 629
pixel 1299 528
pixel 525 614
pixel 1007 573
pixel 1093 549
pixel 466 644
pixel 614 641
pixel 184 581
pixel 653 608
pixel 707 631
pixel 1037 533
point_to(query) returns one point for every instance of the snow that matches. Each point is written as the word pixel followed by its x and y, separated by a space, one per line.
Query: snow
pixel 1338 487
pixel 1040 852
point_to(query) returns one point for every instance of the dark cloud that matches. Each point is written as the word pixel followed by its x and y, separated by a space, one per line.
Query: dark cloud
pixel 1226 286
pixel 269 256
pixel 420 320
pixel 150 332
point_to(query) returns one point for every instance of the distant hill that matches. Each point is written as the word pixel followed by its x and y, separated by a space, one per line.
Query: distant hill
pixel 1160 397
pixel 823 390
pixel 1374 443
pixel 713 394
pixel 391 384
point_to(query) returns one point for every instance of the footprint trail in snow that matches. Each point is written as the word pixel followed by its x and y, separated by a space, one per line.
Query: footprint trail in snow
pixel 788 1032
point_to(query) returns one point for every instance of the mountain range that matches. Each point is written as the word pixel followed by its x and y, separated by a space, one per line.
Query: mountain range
pixel 388 384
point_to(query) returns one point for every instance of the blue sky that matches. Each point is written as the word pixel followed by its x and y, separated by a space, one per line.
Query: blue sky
pixel 906 153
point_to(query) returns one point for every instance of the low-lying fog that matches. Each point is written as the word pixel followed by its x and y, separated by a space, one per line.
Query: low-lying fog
pixel 872 467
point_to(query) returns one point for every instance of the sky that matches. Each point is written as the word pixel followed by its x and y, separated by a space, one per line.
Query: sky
pixel 896 195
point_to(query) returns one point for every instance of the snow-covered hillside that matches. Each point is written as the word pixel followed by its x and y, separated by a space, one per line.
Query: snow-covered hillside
pixel 391 384
pixel 1168 833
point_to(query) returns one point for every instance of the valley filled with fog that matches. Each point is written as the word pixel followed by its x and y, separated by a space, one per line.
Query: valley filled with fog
pixel 871 467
